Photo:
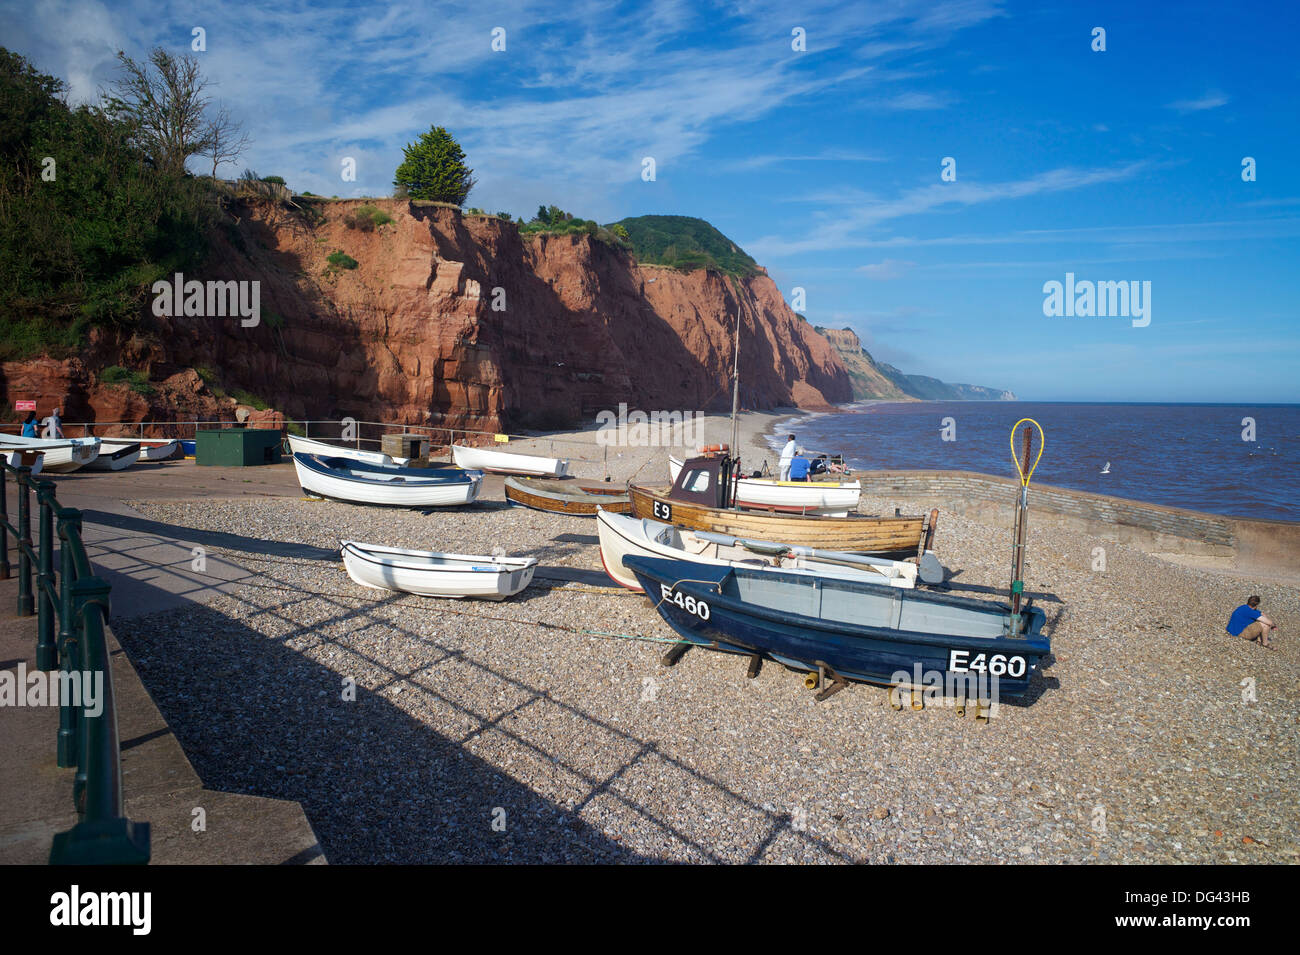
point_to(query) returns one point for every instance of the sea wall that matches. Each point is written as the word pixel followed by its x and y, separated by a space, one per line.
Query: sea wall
pixel 1253 544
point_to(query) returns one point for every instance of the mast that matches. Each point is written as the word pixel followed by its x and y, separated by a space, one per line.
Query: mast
pixel 735 399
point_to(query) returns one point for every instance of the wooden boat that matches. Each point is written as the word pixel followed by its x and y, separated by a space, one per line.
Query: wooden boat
pixel 62 455
pixel 299 445
pixel 836 498
pixel 151 449
pixel 622 536
pixel 431 574
pixel 363 483
pixel 115 457
pixel 845 629
pixel 506 462
pixel 567 496
pixel 700 497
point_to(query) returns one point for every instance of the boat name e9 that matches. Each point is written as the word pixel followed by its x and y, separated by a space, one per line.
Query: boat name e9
pixel 997 664
pixel 686 602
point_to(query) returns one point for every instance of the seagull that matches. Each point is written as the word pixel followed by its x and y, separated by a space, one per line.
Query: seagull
pixel 1106 469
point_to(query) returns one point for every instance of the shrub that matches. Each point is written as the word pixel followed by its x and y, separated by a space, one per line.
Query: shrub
pixel 246 398
pixel 341 260
pixel 367 219
pixel 137 381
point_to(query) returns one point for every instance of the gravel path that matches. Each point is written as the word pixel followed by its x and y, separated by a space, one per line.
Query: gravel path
pixel 487 732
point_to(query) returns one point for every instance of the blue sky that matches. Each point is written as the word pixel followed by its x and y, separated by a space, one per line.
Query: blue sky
pixel 825 164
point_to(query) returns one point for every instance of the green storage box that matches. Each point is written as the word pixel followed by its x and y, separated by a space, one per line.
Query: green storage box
pixel 237 447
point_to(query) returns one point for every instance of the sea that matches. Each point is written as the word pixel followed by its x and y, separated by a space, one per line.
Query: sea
pixel 1237 460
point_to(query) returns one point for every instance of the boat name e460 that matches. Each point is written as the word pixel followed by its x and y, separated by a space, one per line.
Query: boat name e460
pixel 686 602
pixel 997 664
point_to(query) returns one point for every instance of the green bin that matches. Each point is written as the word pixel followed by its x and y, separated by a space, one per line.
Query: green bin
pixel 237 447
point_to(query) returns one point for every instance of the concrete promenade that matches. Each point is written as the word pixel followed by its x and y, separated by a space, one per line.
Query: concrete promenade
pixel 149 570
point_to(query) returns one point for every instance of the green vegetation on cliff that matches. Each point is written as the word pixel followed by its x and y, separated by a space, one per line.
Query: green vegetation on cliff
pixel 684 242
pixel 87 220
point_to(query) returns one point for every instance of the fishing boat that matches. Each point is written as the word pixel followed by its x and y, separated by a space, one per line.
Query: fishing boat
pixel 114 457
pixel 700 499
pixel 845 629
pixel 567 496
pixel 62 455
pixel 151 449
pixel 361 482
pixel 299 445
pixel 830 498
pixel 622 536
pixel 507 462
pixel 431 574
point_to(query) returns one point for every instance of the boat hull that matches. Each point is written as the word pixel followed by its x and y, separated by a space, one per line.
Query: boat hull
pixel 622 536
pixel 334 478
pixel 62 455
pixel 505 462
pixel 431 574
pixel 299 445
pixel 114 457
pixel 564 497
pixel 937 633
pixel 891 536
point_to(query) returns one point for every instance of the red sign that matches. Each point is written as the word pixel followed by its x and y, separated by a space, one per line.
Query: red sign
pixel 24 406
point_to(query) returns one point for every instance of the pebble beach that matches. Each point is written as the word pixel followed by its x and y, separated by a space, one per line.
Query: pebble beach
pixel 545 729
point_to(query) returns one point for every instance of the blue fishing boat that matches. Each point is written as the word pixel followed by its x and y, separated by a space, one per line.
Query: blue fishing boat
pixel 844 629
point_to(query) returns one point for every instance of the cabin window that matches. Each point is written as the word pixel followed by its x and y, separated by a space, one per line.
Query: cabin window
pixel 696 482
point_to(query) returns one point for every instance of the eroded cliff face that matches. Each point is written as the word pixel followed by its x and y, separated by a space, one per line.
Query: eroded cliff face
pixel 448 320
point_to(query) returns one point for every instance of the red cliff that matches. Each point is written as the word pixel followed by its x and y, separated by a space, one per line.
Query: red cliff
pixel 446 319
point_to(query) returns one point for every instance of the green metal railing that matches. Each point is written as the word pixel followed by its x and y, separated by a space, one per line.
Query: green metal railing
pixel 70 608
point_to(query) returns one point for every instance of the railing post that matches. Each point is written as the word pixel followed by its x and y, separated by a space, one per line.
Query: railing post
pixel 25 604
pixel 47 651
pixel 69 636
pixel 5 569
pixel 103 836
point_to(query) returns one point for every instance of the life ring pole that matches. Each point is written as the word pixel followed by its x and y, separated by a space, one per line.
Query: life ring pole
pixel 1026 464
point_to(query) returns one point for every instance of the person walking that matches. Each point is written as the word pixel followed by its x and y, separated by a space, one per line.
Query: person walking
pixel 54 425
pixel 29 425
pixel 787 455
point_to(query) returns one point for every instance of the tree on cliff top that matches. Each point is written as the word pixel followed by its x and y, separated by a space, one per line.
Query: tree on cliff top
pixel 163 101
pixel 434 168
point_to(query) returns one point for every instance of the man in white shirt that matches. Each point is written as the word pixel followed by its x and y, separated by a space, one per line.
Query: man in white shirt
pixel 787 455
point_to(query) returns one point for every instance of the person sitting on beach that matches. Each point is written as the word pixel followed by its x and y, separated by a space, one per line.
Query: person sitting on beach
pixel 799 467
pixel 787 455
pixel 1250 624
pixel 818 466
pixel 29 425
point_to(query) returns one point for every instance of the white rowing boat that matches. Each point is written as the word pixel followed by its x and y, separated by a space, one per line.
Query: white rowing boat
pixel 360 482
pixel 506 462
pixel 827 498
pixel 151 449
pixel 621 536
pixel 115 457
pixel 62 455
pixel 299 445
pixel 431 574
